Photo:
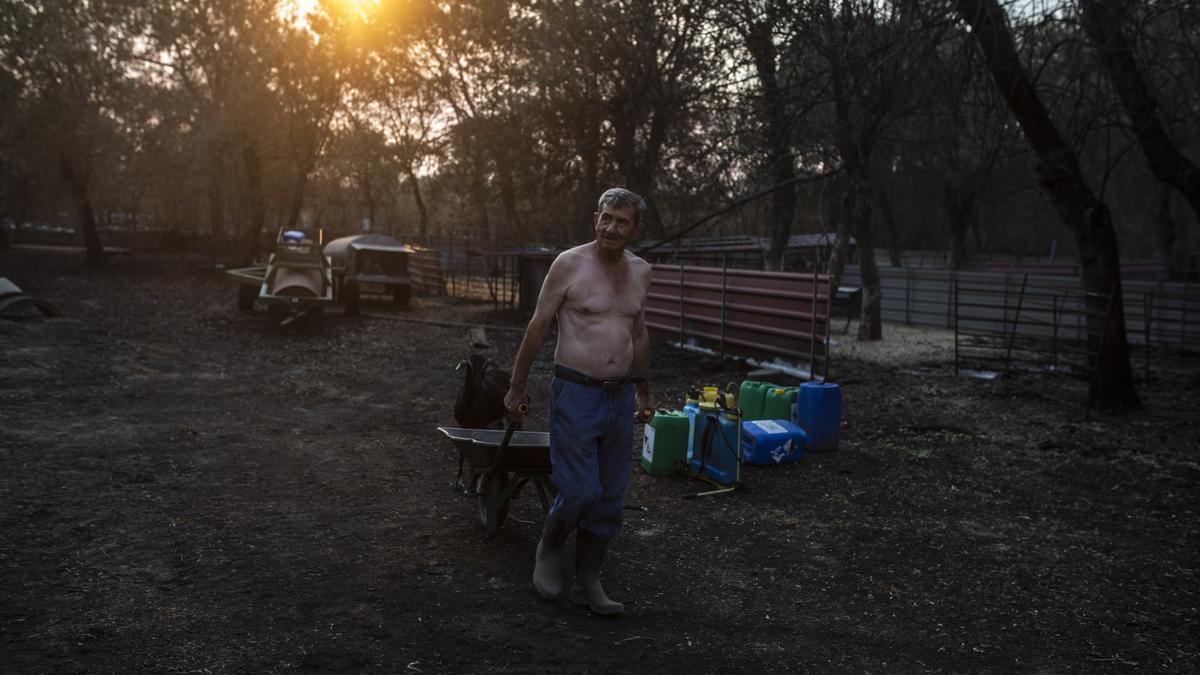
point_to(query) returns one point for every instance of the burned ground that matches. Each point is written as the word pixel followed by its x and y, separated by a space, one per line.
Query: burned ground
pixel 184 489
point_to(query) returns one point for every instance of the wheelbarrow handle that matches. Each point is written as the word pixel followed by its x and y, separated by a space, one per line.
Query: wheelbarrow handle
pixel 509 427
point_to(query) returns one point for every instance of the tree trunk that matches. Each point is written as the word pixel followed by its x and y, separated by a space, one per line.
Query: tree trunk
pixel 216 195
pixel 639 169
pixel 857 199
pixel 892 228
pixel 421 210
pixel 77 183
pixel 479 189
pixel 590 153
pixel 1103 21
pixel 216 203
pixel 254 197
pixel 368 195
pixel 508 198
pixel 1086 216
pixel 839 246
pixel 1167 231
pixel 838 253
pixel 781 169
pixel 298 190
pixel 960 216
pixel 363 177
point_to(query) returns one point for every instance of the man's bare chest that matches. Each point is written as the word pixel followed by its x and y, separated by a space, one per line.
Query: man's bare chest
pixel 604 295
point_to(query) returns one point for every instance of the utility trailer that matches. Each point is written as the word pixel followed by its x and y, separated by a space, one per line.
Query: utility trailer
pixel 370 264
pixel 295 284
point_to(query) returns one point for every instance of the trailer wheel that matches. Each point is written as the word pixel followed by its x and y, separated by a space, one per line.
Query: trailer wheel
pixel 401 295
pixel 350 296
pixel 246 297
pixel 492 514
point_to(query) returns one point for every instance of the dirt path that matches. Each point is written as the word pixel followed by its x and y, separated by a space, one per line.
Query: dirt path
pixel 185 490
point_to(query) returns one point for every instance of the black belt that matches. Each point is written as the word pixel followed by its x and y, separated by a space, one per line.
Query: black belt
pixel 607 385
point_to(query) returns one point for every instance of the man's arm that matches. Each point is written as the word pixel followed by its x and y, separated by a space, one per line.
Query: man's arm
pixel 554 289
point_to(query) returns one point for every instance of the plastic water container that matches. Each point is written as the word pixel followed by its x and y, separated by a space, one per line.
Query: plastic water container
pixel 772 442
pixel 750 398
pixel 715 443
pixel 778 402
pixel 819 413
pixel 664 443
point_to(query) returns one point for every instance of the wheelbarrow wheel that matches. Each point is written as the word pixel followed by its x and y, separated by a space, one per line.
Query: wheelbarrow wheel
pixel 491 514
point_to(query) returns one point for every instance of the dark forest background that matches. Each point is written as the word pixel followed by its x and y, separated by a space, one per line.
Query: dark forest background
pixel 213 121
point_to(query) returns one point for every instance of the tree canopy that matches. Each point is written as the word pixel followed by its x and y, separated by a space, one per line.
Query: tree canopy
pixel 219 119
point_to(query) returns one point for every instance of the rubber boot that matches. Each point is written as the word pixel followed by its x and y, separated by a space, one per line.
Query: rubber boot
pixel 589 558
pixel 547 563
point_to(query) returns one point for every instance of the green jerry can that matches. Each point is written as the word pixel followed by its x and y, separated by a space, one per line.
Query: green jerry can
pixel 751 396
pixel 778 403
pixel 664 443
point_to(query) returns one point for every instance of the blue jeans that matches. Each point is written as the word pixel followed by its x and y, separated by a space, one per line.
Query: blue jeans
pixel 591 441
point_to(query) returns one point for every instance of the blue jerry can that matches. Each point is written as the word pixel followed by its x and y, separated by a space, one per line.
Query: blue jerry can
pixel 772 442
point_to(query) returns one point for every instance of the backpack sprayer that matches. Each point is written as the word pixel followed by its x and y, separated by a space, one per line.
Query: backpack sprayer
pixel 715 447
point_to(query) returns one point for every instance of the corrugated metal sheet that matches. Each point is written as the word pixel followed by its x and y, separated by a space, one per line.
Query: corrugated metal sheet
pixel 764 315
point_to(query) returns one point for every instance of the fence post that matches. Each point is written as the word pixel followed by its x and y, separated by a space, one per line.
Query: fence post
pixel 724 272
pixel 1147 307
pixel 493 281
pixel 1054 315
pixel 1183 316
pixel 1004 323
pixel 681 303
pixel 954 291
pixel 953 279
pixel 514 281
pixel 907 296
pixel 1012 336
pixel 812 329
pixel 829 291
pixel 450 267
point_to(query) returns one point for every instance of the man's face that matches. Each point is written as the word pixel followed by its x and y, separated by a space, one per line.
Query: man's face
pixel 615 228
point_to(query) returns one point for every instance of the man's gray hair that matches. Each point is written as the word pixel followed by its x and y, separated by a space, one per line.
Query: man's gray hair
pixel 619 198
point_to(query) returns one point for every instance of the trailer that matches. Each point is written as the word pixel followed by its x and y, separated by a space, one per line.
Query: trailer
pixel 295 283
pixel 370 264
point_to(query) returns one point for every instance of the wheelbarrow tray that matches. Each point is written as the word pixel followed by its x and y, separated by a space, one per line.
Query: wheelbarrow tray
pixel 527 451
pixel 525 459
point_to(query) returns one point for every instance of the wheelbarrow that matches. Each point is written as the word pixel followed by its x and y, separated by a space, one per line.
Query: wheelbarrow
pixel 500 464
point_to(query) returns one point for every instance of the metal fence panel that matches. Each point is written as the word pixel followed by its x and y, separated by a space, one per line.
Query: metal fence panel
pixel 764 315
pixel 1157 313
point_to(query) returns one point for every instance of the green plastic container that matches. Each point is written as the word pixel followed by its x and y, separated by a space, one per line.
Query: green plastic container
pixel 778 402
pixel 751 396
pixel 664 443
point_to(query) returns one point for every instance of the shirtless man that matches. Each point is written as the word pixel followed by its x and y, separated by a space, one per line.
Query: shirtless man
pixel 598 292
